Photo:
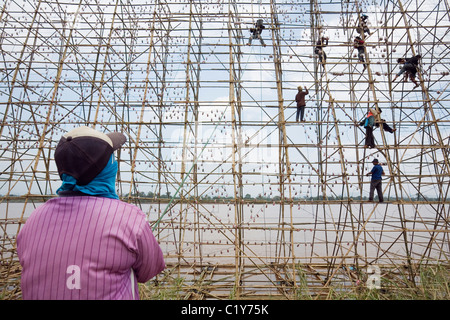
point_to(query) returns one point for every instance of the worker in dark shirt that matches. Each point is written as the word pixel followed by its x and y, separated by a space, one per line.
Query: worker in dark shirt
pixel 256 32
pixel 383 123
pixel 410 67
pixel 301 104
pixel 320 44
pixel 386 127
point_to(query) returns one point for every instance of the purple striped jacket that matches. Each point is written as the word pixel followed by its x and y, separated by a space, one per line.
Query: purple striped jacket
pixel 87 247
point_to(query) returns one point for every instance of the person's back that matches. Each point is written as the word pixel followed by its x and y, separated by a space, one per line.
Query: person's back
pixel 413 61
pixel 358 43
pixel 377 172
pixel 259 25
pixel 300 97
pixel 321 43
pixel 86 247
pixel 369 121
pixel 86 243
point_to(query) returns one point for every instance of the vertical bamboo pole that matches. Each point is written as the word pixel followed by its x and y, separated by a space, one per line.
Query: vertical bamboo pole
pixel 236 142
pixel 284 163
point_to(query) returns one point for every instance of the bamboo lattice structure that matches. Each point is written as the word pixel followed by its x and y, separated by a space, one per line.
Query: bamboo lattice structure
pixel 244 200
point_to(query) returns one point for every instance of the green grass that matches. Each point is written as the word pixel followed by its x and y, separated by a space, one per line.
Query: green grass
pixel 432 282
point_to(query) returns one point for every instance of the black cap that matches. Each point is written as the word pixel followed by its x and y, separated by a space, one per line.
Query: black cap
pixel 84 152
pixel 375 161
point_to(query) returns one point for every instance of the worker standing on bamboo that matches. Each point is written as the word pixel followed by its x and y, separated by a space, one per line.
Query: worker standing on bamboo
pixel 375 183
pixel 301 104
pixel 256 32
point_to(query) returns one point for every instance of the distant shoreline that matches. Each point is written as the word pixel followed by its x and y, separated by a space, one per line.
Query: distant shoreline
pixel 257 200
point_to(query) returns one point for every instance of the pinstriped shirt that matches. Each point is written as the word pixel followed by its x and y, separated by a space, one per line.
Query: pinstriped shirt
pixel 85 247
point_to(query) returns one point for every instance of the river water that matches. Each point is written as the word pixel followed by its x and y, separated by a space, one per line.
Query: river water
pixel 264 233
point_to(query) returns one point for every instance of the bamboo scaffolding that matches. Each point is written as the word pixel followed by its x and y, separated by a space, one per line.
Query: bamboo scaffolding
pixel 244 201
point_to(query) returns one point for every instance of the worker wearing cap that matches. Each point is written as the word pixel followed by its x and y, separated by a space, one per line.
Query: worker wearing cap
pixel 86 243
pixel 375 183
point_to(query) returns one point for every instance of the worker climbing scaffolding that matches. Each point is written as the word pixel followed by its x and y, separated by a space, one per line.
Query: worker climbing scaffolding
pixel 372 121
pixel 385 126
pixel 409 68
pixel 368 123
pixel 359 44
pixel 256 32
pixel 320 44
pixel 362 28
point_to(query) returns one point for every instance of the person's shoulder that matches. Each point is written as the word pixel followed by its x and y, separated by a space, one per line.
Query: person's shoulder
pixel 132 208
pixel 45 205
pixel 120 202
pixel 40 209
pixel 104 204
pixel 125 209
